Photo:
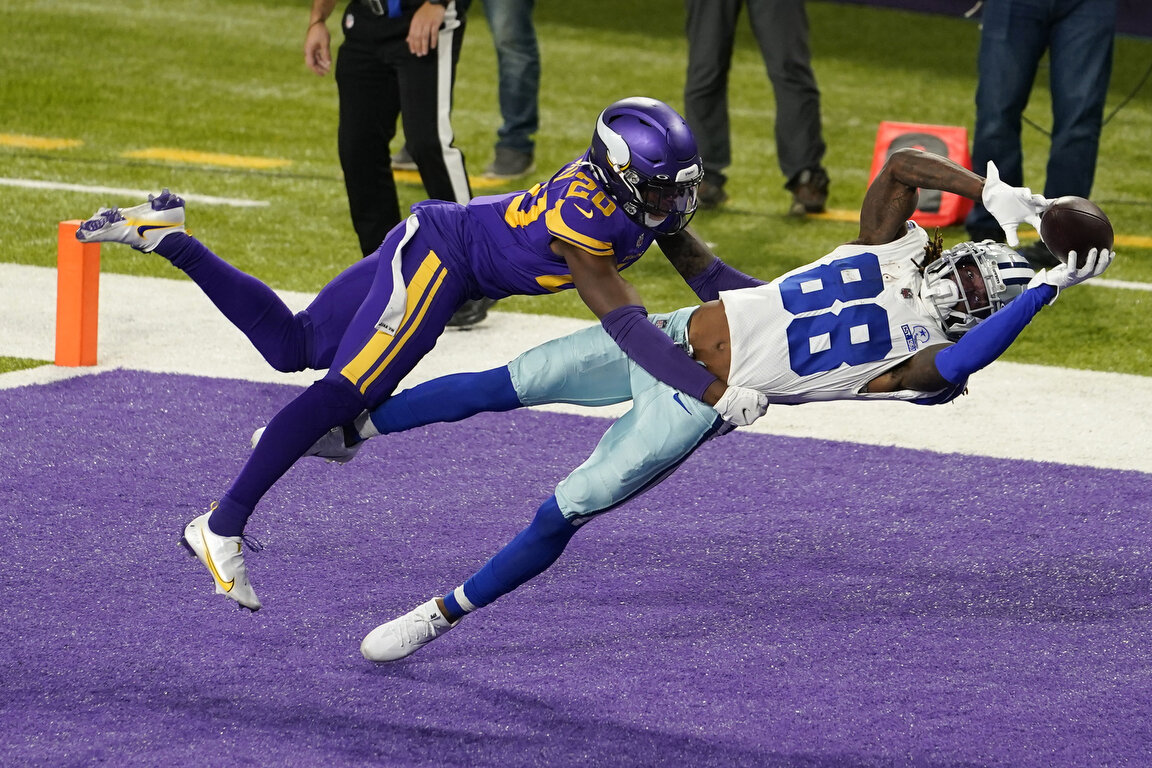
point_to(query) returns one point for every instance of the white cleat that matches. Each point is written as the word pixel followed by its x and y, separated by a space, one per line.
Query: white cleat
pixel 329 447
pixel 142 226
pixel 404 636
pixel 223 556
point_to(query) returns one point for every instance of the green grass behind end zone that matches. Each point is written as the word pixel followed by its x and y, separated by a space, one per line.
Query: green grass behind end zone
pixel 9 364
pixel 227 76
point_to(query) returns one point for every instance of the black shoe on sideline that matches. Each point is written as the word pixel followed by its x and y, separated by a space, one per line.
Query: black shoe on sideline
pixel 471 312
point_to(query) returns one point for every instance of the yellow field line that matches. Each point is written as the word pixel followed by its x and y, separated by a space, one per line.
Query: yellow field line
pixel 477 182
pixel 206 158
pixel 166 154
pixel 37 142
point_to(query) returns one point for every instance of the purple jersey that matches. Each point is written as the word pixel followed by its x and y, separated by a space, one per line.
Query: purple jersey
pixel 504 241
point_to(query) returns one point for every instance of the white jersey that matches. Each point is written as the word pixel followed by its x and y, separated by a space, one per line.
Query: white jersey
pixel 823 331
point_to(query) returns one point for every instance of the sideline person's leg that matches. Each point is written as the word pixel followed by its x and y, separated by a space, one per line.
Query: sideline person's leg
pixel 781 28
pixel 710 27
pixel 518 63
pixel 426 84
pixel 1080 68
pixel 369 106
pixel 1012 40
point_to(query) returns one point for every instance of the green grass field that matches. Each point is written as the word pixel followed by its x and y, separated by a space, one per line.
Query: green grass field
pixel 227 77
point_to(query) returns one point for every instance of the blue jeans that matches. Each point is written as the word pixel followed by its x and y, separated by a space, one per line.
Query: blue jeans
pixel 1078 35
pixel 518 60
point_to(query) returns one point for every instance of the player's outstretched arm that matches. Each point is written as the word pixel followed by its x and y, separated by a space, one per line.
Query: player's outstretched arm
pixel 893 195
pixel 944 365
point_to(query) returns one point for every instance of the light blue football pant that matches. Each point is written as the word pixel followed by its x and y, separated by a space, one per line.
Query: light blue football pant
pixel 642 447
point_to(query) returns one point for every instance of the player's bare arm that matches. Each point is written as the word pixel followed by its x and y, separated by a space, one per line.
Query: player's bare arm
pixel 918 373
pixel 596 279
pixel 891 199
pixel 687 252
pixel 705 274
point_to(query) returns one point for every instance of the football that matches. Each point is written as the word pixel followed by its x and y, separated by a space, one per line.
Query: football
pixel 1075 224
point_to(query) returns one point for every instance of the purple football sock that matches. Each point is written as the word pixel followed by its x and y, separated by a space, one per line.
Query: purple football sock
pixel 291 432
pixel 278 334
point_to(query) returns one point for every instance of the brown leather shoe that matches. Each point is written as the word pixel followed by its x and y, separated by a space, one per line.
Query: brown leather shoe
pixel 809 190
pixel 710 195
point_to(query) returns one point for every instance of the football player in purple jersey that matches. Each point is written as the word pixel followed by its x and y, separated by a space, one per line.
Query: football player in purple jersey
pixel 372 323
pixel 889 316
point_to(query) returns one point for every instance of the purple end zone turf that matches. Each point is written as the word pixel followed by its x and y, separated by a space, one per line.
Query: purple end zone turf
pixel 777 602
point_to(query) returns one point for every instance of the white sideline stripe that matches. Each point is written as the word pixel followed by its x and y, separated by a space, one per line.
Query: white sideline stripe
pixel 1081 418
pixel 235 202
pixel 1102 282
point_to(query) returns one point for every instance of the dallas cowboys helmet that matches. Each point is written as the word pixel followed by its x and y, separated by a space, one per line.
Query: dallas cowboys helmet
pixel 970 281
pixel 645 155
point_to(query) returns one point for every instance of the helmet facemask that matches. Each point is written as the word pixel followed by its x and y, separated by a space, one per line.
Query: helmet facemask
pixel 666 205
pixel 971 281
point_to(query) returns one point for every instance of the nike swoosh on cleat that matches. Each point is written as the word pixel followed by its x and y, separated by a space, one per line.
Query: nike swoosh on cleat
pixel 225 585
pixel 143 228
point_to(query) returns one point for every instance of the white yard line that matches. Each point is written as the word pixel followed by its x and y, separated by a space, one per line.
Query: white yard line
pixel 235 202
pixel 1103 282
pixel 1012 411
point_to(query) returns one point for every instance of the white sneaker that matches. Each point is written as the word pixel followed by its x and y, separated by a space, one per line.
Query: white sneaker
pixel 404 636
pixel 329 447
pixel 223 556
pixel 142 226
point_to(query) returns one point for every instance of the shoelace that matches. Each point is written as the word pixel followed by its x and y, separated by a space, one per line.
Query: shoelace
pixel 251 542
pixel 416 631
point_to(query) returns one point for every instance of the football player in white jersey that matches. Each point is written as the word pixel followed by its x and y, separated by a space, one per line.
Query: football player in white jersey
pixel 887 316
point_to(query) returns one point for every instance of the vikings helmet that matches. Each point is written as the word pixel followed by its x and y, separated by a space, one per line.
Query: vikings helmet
pixel 970 281
pixel 645 156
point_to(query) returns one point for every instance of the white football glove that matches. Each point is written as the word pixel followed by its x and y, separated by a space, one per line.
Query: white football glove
pixel 1011 206
pixel 1063 276
pixel 740 406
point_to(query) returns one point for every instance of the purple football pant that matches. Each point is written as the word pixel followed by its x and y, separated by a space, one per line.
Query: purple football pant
pixel 339 331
